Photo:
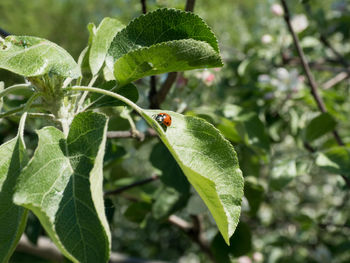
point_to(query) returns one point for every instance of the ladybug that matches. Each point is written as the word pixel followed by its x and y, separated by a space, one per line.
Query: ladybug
pixel 163 119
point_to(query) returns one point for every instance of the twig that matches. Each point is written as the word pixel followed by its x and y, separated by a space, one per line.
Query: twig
pixel 194 231
pixel 46 249
pixel 165 88
pixel 152 96
pixel 129 134
pixel 144 6
pixel 127 187
pixel 190 5
pixel 312 82
pixel 335 80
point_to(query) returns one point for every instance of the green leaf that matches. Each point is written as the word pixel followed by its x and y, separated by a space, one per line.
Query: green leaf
pixel 241 244
pixel 319 126
pixel 335 160
pixel 101 42
pixel 162 41
pixel 62 185
pixel 12 217
pixel 33 56
pixel 129 91
pixel 209 163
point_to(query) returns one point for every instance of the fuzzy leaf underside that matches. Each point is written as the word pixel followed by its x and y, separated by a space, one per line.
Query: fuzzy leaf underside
pixel 101 41
pixel 33 56
pixel 12 217
pixel 210 164
pixel 62 185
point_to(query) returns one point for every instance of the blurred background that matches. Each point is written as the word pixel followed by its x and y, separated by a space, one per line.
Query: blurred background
pixel 293 211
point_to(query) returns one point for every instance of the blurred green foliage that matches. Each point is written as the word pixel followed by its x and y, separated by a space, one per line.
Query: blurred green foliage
pixel 295 209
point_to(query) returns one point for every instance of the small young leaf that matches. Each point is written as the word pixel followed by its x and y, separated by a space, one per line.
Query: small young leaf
pixel 209 163
pixel 62 185
pixel 162 41
pixel 33 56
pixel 129 91
pixel 101 42
pixel 319 126
pixel 12 217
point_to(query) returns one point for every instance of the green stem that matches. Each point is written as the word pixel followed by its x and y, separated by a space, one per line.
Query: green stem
pixel 83 97
pixel 108 93
pixel 14 88
pixel 25 112
pixel 16 110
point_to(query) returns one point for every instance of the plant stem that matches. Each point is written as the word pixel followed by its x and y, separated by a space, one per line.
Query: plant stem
pixel 25 113
pixel 14 88
pixel 108 93
pixel 83 97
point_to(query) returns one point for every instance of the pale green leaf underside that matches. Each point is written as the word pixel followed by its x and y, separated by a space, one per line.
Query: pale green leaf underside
pixel 162 41
pixel 101 41
pixel 33 56
pixel 12 217
pixel 62 185
pixel 210 164
pixel 177 55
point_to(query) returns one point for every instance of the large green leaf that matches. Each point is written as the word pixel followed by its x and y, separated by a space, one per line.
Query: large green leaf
pixel 319 126
pixel 101 41
pixel 209 163
pixel 33 56
pixel 12 217
pixel 62 185
pixel 162 41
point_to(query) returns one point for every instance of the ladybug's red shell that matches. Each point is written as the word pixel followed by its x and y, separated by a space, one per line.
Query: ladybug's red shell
pixel 163 118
